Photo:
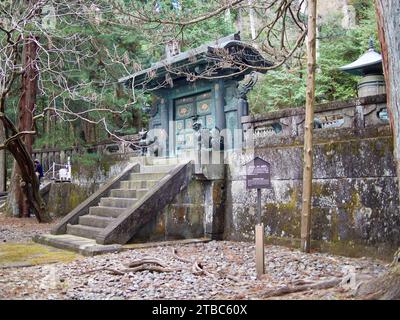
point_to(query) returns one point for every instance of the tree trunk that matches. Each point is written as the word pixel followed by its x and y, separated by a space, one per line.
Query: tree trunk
pixel 14 192
pixel 239 20
pixel 72 131
pixel 26 109
pixel 388 12
pixel 47 129
pixel 387 286
pixel 27 179
pixel 24 194
pixel 137 119
pixel 3 162
pixel 308 127
pixel 251 20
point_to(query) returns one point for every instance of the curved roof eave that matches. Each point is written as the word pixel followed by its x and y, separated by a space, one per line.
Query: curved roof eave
pixel 197 55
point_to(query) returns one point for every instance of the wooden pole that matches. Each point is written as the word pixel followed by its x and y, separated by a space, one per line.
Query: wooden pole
pixel 260 250
pixel 258 206
pixel 308 127
pixel 259 239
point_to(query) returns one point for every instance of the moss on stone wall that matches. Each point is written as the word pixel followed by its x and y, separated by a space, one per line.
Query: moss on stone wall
pixel 343 248
pixel 352 205
pixel 64 197
pixel 355 202
pixel 284 217
pixel 334 226
pixel 91 164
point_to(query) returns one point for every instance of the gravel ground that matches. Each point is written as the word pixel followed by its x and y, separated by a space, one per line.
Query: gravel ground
pixel 230 270
pixel 231 265
pixel 21 230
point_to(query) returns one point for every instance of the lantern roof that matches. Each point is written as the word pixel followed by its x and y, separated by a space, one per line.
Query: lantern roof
pixel 368 63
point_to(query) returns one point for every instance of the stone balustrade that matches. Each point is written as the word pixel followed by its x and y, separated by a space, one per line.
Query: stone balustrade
pixel 289 123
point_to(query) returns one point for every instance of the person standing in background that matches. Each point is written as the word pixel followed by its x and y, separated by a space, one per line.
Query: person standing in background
pixel 38 169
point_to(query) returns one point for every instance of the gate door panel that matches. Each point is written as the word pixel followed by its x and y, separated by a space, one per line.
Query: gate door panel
pixel 186 109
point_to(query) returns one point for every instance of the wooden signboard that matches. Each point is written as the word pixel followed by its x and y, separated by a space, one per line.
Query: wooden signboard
pixel 258 174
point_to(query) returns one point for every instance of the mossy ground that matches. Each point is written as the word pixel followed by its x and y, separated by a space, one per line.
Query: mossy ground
pixel 29 253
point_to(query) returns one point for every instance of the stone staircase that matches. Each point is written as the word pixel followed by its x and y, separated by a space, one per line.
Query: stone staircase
pixel 81 234
pixel 109 208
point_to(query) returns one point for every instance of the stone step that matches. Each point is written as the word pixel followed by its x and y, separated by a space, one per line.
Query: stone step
pixel 139 159
pixel 83 231
pixel 117 202
pixel 157 168
pixel 95 221
pixel 146 176
pixel 84 246
pixel 112 212
pixel 128 193
pixel 137 184
pixel 164 161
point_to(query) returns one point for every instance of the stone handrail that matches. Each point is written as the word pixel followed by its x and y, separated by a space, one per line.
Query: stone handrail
pixel 93 200
pixel 351 114
pixel 162 193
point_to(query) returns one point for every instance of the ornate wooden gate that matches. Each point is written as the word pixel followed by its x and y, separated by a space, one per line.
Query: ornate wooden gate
pixel 188 109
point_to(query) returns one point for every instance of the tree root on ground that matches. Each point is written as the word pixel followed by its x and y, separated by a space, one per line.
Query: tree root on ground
pixel 301 287
pixel 198 268
pixel 149 264
pixel 137 263
pixel 129 270
pixel 385 287
pixel 177 257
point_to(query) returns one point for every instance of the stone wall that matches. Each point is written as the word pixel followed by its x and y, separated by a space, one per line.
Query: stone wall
pixel 355 195
pixel 197 211
pixel 182 219
pixel 63 197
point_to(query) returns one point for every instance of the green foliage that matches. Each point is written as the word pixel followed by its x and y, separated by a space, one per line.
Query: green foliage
pixel 91 75
pixel 286 86
pixel 278 89
pixel 56 138
pixel 86 160
pixel 91 70
pixel 208 30
pixel 94 80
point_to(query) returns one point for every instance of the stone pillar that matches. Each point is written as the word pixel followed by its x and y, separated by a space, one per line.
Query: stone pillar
pixel 238 134
pixel 359 121
pixel 243 110
pixel 205 146
pixel 44 161
pixel 62 157
pixel 219 105
pixel 164 115
pixel 217 153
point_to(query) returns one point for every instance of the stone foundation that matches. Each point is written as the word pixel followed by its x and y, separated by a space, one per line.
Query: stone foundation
pixel 355 206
